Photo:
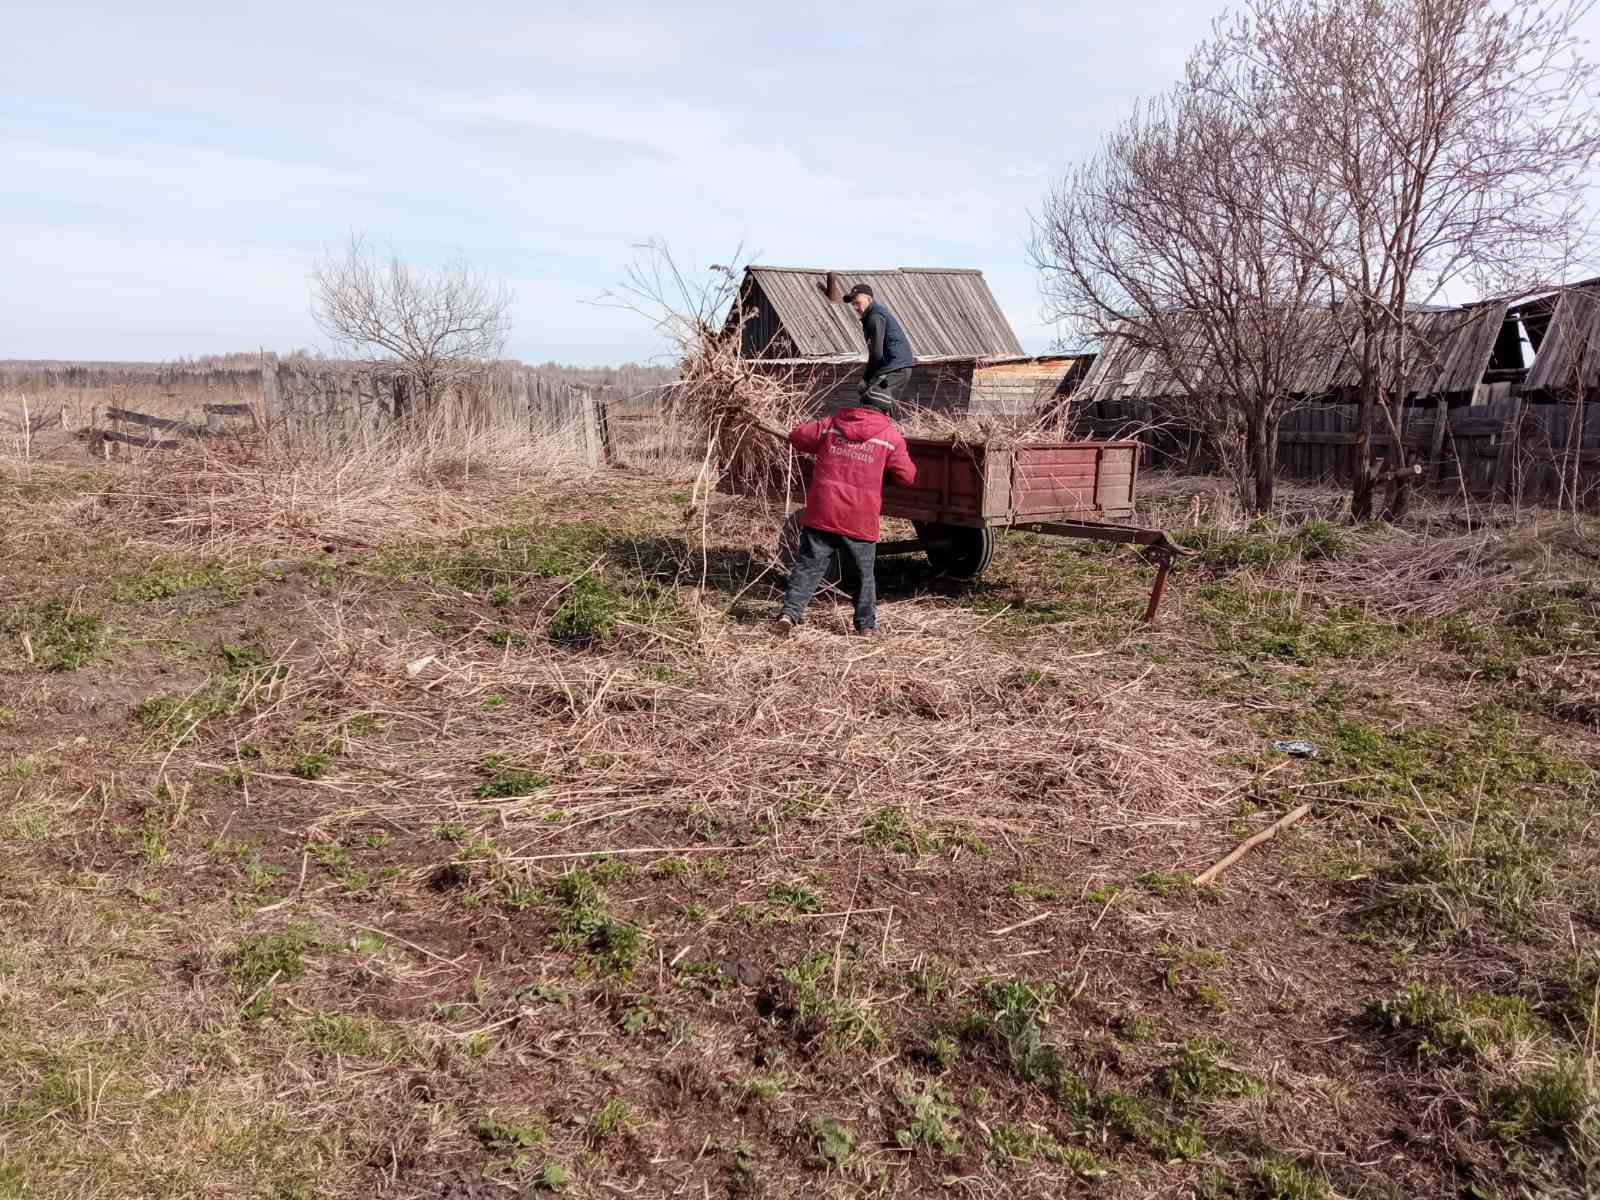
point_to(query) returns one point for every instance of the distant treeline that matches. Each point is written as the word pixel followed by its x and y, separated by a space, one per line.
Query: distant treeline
pixel 232 371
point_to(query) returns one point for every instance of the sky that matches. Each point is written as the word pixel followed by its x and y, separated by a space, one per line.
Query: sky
pixel 171 172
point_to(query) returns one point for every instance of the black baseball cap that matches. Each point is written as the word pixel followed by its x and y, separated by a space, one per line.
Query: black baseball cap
pixel 860 289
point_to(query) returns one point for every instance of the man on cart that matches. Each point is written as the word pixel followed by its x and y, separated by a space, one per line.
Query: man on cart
pixel 889 354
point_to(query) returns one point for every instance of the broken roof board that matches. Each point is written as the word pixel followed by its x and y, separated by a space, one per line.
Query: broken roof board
pixel 1572 333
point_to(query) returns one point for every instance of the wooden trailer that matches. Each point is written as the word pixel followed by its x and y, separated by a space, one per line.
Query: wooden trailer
pixel 966 493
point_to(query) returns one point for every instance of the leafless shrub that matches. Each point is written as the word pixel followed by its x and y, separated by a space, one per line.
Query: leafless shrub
pixel 1172 238
pixel 439 328
pixel 21 421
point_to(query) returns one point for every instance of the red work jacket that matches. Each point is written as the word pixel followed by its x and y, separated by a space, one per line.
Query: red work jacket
pixel 854 448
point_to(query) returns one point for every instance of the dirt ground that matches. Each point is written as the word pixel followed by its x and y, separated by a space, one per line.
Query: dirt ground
pixel 445 832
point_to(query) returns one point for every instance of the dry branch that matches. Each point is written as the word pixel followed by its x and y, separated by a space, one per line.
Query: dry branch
pixel 1250 843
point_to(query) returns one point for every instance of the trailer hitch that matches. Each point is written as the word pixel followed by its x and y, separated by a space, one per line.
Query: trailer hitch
pixel 1154 547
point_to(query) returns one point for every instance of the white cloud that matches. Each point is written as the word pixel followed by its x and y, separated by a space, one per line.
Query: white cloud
pixel 173 167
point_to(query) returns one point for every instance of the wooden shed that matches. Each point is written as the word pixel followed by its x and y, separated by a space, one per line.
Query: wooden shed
pixel 790 313
pixel 1455 349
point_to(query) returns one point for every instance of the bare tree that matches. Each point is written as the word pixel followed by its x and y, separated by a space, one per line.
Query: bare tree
pixel 1186 236
pixel 437 328
pixel 1458 134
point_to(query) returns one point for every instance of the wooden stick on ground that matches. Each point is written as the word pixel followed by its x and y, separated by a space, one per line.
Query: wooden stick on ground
pixel 1250 843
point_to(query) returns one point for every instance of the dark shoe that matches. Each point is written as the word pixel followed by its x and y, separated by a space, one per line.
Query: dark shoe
pixel 784 626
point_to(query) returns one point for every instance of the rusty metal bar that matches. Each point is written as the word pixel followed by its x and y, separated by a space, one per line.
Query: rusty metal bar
pixel 1095 531
pixel 1160 586
pixel 912 546
pixel 1155 543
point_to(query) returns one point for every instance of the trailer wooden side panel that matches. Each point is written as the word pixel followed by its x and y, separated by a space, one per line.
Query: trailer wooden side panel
pixel 976 485
pixel 1085 479
pixel 951 487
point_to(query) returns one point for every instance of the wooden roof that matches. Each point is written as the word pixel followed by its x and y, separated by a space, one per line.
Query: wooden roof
pixel 1565 331
pixel 1454 348
pixel 945 312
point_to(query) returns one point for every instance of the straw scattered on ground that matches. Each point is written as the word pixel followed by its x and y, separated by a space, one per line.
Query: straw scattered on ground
pixel 499 849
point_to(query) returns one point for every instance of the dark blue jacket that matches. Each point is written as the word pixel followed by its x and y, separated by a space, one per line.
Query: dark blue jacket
pixel 888 347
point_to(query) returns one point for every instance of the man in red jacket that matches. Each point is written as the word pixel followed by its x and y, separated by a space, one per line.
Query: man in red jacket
pixel 854 448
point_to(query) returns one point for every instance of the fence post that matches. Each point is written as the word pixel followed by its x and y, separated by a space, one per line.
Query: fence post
pixel 1441 410
pixel 589 418
pixel 608 452
pixel 1506 460
pixel 269 391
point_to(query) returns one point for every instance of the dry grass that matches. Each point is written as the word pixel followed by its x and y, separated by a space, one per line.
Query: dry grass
pixel 506 839
pixel 230 499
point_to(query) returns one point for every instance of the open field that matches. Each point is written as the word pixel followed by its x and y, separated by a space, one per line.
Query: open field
pixel 453 829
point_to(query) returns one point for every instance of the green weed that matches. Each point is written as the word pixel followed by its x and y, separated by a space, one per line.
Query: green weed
pixel 1140 1122
pixel 56 635
pixel 1196 1074
pixel 1551 1104
pixel 353 1037
pixel 1222 550
pixel 218 696
pixel 499 1134
pixel 939 1050
pixel 1577 994
pixel 1010 1145
pixel 508 782
pixel 1030 891
pixel 588 613
pixel 262 959
pixel 582 920
pixel 1277 1178
pixel 931 1111
pixel 888 828
pixel 607 871
pixel 311 766
pixel 1436 1025
pixel 834 1143
pixel 842 1024
pixel 553 1177
pixel 167 578
pixel 493 561
pixel 1013 1026
pixel 1158 883
pixel 608 1121
pixel 794 896
pixel 637 1018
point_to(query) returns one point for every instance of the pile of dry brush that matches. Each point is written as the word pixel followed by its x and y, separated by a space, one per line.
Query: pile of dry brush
pixel 740 409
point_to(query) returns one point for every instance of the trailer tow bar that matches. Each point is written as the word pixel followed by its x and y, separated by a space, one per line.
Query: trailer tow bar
pixel 1154 546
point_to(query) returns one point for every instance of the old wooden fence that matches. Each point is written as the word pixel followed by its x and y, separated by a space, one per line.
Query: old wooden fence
pixel 341 408
pixel 1508 448
pixel 131 428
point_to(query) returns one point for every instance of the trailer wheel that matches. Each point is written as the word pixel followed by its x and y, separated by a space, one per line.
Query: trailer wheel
pixel 789 546
pixel 966 552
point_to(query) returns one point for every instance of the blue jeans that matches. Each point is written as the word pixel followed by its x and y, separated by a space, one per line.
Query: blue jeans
pixel 811 561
